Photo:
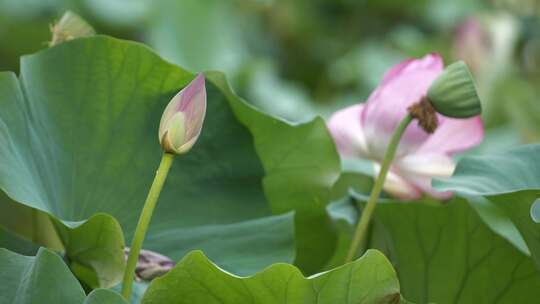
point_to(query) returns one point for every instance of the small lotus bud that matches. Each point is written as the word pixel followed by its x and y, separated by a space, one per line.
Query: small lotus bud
pixel 69 27
pixel 183 117
pixel 453 93
pixel 150 265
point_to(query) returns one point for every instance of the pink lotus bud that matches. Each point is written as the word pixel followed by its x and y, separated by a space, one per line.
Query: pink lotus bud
pixel 183 117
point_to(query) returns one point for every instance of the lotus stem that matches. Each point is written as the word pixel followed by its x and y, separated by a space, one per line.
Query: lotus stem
pixel 363 224
pixel 144 221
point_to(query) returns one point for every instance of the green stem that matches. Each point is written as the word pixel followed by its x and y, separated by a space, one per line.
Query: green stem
pixel 144 220
pixel 363 223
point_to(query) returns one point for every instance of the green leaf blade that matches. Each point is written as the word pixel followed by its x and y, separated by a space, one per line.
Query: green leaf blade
pixel 510 180
pixel 41 279
pixel 446 254
pixel 78 137
pixel 370 279
pixel 104 296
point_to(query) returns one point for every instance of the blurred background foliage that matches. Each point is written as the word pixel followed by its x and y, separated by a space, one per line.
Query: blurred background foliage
pixel 300 58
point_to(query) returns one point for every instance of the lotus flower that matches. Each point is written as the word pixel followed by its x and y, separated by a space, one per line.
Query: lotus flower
pixel 364 131
pixel 183 117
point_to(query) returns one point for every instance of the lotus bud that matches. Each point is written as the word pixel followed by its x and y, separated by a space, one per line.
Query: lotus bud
pixel 150 265
pixel 453 93
pixel 69 27
pixel 183 117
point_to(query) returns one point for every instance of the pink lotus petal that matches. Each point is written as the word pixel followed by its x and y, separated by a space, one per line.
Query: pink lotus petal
pixel 424 184
pixel 419 169
pixel 403 85
pixel 435 165
pixel 397 185
pixel 431 61
pixel 454 135
pixel 195 109
pixel 346 128
pixel 192 92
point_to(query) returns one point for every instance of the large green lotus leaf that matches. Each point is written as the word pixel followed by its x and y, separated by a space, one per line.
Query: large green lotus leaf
pixel 344 215
pixel 510 171
pixel 104 296
pixel 29 223
pixel 79 138
pixel 44 278
pixel 196 280
pixel 510 181
pixel 301 166
pixel 497 219
pixel 446 254
pixel 15 243
pixel 137 292
pixel 93 247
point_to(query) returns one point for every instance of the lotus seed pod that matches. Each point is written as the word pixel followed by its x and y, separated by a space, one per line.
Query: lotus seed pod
pixel 454 94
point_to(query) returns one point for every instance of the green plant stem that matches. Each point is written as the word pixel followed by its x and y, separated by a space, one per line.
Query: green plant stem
pixel 144 220
pixel 367 213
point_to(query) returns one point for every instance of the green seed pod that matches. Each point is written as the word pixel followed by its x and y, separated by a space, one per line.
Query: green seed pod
pixel 453 93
